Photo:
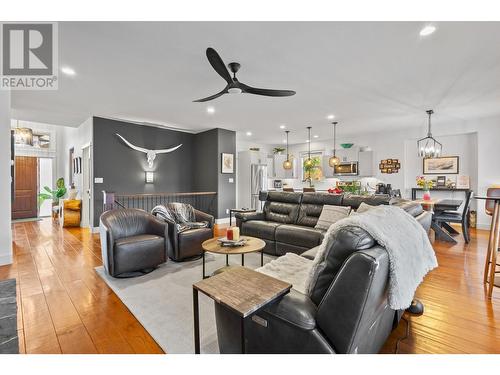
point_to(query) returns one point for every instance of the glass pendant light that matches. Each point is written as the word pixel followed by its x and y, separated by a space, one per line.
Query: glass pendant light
pixel 287 164
pixel 334 160
pixel 308 162
pixel 428 147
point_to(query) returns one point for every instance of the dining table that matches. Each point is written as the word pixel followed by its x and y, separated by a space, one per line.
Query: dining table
pixel 493 243
pixel 442 231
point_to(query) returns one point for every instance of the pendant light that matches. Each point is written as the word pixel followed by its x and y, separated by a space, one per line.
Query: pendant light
pixel 308 162
pixel 23 136
pixel 334 160
pixel 287 164
pixel 428 147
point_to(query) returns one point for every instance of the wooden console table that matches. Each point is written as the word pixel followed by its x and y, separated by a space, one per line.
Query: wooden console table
pixel 414 191
pixel 241 290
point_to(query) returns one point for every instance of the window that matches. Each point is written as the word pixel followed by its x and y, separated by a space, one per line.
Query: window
pixel 315 173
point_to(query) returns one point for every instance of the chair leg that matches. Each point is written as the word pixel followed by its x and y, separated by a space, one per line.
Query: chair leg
pixel 465 231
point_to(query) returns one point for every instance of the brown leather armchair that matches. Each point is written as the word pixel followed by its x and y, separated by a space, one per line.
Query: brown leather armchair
pixel 133 242
pixel 186 245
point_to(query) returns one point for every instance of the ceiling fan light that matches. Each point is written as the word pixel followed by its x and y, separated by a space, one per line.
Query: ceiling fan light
pixel 234 90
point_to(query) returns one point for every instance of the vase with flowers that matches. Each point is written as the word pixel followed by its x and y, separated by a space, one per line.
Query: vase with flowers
pixel 426 186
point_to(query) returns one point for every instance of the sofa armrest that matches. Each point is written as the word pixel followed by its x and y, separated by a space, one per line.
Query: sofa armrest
pixel 311 253
pixel 203 216
pixel 247 216
pixel 294 308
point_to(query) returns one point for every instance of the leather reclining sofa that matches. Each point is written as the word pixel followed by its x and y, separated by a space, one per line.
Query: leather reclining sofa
pixel 286 223
pixel 346 312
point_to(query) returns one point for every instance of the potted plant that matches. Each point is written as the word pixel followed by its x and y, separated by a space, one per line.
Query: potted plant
pixel 426 186
pixel 278 150
pixel 56 194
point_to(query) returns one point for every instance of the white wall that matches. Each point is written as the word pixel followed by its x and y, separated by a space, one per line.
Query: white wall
pixel 5 180
pixel 76 138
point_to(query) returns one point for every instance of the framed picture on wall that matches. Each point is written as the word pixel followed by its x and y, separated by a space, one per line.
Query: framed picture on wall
pixel 227 163
pixel 441 165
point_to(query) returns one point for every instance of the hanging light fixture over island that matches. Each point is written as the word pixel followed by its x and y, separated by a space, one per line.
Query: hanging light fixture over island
pixel 287 164
pixel 334 160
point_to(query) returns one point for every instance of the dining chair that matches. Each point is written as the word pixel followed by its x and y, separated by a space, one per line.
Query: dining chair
pixel 493 191
pixel 308 190
pixel 288 189
pixel 457 217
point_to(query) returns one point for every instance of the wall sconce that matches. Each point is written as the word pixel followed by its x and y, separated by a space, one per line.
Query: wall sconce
pixel 150 176
pixel 389 166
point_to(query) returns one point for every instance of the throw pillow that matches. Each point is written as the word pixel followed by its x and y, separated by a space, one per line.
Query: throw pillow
pixel 330 215
pixel 363 207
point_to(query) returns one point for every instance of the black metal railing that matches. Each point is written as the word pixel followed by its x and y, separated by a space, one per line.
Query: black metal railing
pixel 204 201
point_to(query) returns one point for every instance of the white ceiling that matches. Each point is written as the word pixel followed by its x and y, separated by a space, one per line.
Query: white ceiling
pixel 371 75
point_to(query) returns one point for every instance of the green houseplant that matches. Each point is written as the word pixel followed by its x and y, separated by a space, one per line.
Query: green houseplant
pixel 55 195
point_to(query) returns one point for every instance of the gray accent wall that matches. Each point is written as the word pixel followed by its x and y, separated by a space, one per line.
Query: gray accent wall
pixel 193 167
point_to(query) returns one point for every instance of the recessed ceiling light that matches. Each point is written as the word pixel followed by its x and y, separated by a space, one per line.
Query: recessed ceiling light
pixel 284 140
pixel 210 110
pixel 330 117
pixel 249 134
pixel 282 126
pixel 307 141
pixel 68 71
pixel 316 136
pixel 427 30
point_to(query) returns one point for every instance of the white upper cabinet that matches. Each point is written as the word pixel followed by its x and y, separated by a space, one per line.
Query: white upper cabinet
pixel 279 171
pixel 365 166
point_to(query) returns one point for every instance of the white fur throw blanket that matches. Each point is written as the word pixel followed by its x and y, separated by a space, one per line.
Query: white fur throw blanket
pixel 291 268
pixel 411 255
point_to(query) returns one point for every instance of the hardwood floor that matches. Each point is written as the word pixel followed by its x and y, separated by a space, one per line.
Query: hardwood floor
pixel 65 307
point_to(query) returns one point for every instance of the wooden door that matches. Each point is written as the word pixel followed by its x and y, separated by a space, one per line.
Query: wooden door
pixel 26 186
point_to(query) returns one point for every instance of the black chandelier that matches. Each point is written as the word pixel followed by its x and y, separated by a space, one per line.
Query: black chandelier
pixel 428 147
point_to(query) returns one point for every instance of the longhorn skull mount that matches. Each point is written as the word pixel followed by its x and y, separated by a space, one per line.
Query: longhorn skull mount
pixel 150 154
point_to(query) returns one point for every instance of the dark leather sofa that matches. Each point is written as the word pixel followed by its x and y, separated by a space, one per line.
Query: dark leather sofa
pixel 133 242
pixel 287 221
pixel 347 310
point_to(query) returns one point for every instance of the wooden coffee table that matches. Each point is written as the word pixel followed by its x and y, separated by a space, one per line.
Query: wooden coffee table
pixel 252 245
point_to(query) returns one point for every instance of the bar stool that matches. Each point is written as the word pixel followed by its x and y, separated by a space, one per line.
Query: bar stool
pixel 308 190
pixel 493 191
pixel 290 190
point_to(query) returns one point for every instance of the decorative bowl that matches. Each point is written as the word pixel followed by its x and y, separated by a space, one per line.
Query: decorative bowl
pixel 347 145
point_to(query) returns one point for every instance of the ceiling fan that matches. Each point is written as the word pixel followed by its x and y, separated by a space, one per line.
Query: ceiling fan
pixel 233 85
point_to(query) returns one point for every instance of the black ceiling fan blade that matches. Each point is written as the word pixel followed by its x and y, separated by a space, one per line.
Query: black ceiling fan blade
pixel 215 96
pixel 266 92
pixel 215 60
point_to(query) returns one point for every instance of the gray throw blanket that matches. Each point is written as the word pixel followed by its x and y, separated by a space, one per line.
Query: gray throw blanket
pixel 411 255
pixel 179 213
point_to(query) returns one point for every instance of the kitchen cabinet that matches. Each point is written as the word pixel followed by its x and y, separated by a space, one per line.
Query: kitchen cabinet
pixel 347 154
pixel 279 171
pixel 365 166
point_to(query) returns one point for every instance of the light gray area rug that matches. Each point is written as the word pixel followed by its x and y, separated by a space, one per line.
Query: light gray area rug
pixel 163 301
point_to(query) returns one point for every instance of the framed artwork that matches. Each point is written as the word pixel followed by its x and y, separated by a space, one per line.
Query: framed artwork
pixel 463 182
pixel 441 181
pixel 441 165
pixel 227 163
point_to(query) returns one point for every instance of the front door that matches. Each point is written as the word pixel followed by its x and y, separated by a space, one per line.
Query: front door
pixel 25 189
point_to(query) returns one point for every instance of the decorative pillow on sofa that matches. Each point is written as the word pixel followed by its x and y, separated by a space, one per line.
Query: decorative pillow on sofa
pixel 330 215
pixel 363 207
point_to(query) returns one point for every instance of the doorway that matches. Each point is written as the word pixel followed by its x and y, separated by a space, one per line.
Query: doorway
pixel 25 188
pixel 87 218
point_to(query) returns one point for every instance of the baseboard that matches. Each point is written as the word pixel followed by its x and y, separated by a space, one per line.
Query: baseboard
pixel 224 220
pixel 5 259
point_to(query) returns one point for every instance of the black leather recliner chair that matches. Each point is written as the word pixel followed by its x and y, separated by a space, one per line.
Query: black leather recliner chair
pixel 186 245
pixel 133 242
pixel 347 311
